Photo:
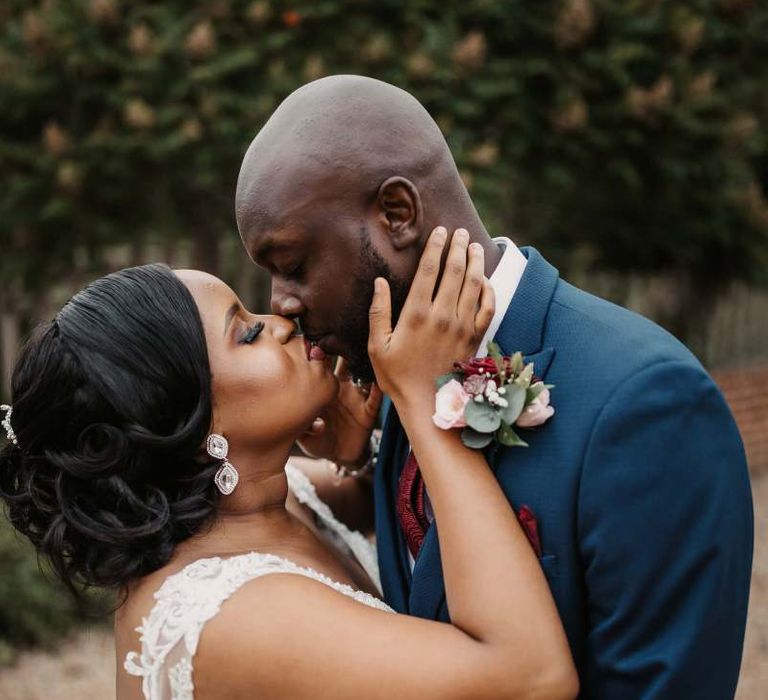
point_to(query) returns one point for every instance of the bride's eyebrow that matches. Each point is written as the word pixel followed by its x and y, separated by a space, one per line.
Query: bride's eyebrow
pixel 232 311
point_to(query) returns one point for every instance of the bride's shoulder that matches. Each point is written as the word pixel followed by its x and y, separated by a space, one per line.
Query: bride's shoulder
pixel 137 601
pixel 259 632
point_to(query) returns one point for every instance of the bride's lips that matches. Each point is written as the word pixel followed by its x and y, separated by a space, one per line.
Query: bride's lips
pixel 316 353
pixel 313 350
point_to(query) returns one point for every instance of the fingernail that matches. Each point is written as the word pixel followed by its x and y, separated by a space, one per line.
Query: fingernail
pixel 476 248
pixel 462 234
pixel 440 233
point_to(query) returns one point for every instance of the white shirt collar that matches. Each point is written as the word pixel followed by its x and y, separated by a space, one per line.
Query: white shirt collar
pixel 504 280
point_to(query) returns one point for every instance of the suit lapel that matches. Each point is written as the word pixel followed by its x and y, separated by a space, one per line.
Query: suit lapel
pixel 523 326
pixel 393 557
pixel 521 330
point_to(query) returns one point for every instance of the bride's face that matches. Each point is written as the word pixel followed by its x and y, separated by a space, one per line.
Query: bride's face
pixel 266 389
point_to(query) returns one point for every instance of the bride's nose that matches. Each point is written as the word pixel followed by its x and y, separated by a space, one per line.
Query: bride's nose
pixel 283 329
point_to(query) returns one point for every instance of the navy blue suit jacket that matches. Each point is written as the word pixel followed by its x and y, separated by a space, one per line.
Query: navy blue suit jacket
pixel 640 486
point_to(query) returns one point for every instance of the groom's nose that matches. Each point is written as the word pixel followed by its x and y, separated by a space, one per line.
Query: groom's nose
pixel 284 302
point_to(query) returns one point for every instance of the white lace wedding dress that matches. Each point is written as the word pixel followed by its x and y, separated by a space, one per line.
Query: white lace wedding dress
pixel 191 597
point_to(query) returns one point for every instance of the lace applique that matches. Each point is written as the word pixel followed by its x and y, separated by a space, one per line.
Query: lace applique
pixel 191 597
pixel 359 545
pixel 180 680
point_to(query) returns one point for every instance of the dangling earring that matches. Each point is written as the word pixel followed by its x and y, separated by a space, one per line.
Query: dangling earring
pixel 227 477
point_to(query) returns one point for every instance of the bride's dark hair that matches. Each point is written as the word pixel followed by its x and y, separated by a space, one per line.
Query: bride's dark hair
pixel 111 404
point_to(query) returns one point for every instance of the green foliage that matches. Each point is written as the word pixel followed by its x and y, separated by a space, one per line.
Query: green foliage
pixel 443 379
pixel 482 417
pixel 620 134
pixel 35 610
pixel 517 398
pixel 475 440
pixel 508 437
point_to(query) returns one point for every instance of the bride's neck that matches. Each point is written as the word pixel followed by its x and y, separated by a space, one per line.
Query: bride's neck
pixel 256 510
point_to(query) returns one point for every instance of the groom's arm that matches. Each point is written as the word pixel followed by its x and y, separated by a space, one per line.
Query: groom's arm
pixel 665 529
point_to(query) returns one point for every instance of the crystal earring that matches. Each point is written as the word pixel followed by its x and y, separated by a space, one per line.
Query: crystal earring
pixel 227 477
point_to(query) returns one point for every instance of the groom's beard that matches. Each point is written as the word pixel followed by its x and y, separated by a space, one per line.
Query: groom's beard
pixel 355 328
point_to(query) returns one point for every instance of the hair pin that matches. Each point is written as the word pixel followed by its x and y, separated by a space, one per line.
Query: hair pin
pixel 6 423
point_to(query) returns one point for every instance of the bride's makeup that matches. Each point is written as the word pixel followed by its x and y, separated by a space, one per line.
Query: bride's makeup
pixel 251 333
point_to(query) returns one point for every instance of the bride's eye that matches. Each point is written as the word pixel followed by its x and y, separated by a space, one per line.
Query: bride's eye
pixel 251 333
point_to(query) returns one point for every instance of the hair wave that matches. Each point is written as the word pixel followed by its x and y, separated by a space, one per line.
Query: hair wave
pixel 111 405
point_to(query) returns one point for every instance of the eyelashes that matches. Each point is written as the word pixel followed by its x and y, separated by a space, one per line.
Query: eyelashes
pixel 251 333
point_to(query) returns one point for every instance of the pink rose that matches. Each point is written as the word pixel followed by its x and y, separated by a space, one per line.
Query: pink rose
pixel 537 412
pixel 450 401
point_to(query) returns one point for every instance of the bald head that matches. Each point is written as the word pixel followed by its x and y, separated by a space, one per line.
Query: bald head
pixel 342 137
pixel 343 185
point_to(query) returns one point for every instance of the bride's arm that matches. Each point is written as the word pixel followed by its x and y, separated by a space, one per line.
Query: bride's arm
pixel 350 499
pixel 304 640
pixel 341 435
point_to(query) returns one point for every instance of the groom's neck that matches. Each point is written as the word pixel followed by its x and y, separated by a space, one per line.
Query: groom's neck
pixel 450 205
pixel 479 234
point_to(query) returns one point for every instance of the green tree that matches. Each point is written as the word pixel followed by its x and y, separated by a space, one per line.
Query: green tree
pixel 624 135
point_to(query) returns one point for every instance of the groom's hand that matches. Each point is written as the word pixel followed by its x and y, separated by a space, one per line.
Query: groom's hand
pixel 435 329
pixel 342 433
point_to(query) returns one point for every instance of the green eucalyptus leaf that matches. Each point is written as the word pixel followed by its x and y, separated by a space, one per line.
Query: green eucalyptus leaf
pixel 482 417
pixel 475 440
pixel 507 436
pixel 493 348
pixel 495 354
pixel 524 380
pixel 516 363
pixel 515 396
pixel 533 392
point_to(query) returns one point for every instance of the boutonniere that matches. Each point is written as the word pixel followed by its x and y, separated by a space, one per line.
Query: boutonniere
pixel 487 396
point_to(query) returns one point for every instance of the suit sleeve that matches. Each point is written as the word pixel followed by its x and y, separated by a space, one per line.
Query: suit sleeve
pixel 665 533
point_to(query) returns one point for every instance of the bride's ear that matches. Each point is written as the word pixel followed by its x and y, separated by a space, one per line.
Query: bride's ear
pixel 399 203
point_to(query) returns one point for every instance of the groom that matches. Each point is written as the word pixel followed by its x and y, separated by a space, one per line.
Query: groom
pixel 637 488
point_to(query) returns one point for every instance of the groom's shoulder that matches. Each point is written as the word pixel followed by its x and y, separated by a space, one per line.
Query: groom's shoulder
pixel 618 341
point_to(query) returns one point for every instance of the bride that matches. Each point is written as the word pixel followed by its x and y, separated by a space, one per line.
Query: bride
pixel 147 440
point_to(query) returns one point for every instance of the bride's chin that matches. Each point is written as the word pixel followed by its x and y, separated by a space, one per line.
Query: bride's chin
pixel 323 390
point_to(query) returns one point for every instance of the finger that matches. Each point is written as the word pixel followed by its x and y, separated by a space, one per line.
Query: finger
pixel 453 272
pixel 423 285
pixel 486 311
pixel 380 315
pixel 342 370
pixel 474 280
pixel 373 402
pixel 317 428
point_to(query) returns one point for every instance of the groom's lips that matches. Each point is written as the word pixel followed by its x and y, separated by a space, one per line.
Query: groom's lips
pixel 328 346
pixel 324 342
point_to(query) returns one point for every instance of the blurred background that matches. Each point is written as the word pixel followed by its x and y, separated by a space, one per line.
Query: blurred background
pixel 626 139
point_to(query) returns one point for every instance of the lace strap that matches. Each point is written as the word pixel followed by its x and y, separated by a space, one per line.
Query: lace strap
pixel 361 547
pixel 191 597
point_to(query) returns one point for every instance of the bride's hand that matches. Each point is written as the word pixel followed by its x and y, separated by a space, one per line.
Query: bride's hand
pixel 342 433
pixel 431 333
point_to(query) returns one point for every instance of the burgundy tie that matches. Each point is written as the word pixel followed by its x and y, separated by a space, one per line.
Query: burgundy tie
pixel 414 518
pixel 411 511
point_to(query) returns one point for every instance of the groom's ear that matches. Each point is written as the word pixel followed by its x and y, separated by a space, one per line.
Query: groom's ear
pixel 400 205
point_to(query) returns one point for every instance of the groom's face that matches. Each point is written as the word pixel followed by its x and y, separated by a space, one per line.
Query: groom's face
pixel 323 261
